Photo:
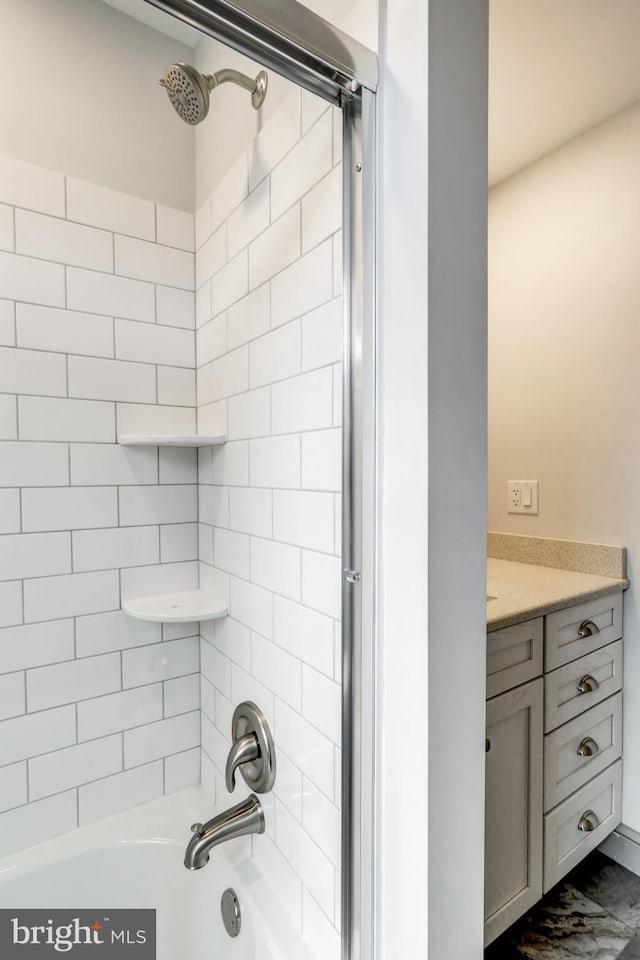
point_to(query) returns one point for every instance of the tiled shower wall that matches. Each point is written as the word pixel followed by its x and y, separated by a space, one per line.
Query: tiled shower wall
pixel 97 711
pixel 269 346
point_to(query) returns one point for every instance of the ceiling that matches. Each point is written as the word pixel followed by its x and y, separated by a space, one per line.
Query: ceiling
pixel 556 68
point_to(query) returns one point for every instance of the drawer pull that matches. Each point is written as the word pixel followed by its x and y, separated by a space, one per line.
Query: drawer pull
pixel 587 629
pixel 588 684
pixel 487 746
pixel 588 748
pixel 588 822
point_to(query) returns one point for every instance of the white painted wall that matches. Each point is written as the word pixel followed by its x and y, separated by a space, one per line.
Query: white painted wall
pixel 549 80
pixel 82 98
pixel 564 298
pixel 432 370
pixel 402 840
pixel 457 318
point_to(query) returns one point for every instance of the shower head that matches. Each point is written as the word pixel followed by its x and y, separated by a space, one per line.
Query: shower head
pixel 188 90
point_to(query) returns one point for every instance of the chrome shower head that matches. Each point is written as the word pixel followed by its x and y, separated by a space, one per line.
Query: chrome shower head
pixel 189 90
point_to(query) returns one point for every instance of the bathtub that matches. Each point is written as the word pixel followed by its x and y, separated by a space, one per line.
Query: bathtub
pixel 135 859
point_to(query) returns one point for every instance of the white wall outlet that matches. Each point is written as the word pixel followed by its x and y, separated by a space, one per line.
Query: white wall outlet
pixel 522 497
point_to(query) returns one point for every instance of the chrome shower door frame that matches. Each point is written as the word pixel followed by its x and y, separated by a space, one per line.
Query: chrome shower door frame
pixel 293 41
pixel 359 525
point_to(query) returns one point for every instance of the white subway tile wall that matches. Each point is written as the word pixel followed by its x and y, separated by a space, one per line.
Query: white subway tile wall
pixel 97 333
pixel 269 346
pixel 118 315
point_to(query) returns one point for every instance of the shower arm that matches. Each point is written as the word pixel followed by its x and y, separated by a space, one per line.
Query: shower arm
pixel 231 76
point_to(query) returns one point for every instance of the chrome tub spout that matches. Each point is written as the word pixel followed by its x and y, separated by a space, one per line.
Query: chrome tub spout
pixel 239 821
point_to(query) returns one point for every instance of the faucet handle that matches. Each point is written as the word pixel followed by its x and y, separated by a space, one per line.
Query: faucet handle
pixel 253 751
pixel 197 828
pixel 243 750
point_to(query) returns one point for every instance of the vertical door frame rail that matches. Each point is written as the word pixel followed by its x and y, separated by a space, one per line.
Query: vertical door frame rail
pixel 292 40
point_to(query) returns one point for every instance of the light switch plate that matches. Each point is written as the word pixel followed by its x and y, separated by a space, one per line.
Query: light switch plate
pixel 522 497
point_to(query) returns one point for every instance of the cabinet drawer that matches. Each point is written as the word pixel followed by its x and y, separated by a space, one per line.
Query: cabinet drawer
pixel 565 844
pixel 565 769
pixel 514 656
pixel 563 699
pixel 562 640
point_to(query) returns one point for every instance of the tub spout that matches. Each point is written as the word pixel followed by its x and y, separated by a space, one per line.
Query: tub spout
pixel 245 818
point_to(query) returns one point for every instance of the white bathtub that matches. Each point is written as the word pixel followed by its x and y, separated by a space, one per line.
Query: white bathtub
pixel 135 860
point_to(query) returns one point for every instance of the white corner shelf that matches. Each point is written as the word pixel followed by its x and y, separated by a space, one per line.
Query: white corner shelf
pixel 185 607
pixel 186 440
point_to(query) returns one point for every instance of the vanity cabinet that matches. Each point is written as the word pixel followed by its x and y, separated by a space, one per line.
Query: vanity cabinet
pixel 554 743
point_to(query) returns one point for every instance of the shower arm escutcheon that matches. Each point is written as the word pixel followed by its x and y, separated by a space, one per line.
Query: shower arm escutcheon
pixel 252 752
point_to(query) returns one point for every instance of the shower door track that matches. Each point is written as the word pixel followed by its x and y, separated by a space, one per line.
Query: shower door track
pixel 299 45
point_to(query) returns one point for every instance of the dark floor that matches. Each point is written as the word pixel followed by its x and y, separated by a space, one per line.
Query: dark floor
pixel 593 913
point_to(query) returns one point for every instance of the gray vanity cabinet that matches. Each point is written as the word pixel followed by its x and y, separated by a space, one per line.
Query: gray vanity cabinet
pixel 553 749
pixel 513 820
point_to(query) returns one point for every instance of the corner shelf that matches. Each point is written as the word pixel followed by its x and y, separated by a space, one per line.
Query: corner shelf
pixel 188 606
pixel 186 440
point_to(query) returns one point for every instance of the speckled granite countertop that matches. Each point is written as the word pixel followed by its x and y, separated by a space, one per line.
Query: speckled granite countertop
pixel 523 591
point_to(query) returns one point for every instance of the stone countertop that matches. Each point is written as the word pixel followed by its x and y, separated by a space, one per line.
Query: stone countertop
pixel 523 591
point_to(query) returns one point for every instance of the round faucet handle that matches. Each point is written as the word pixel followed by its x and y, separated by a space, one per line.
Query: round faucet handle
pixel 197 828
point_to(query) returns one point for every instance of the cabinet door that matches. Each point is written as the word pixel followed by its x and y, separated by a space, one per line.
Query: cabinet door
pixel 513 817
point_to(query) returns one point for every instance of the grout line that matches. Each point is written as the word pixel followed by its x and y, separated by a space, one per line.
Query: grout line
pixel 27 780
pixel 24 684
